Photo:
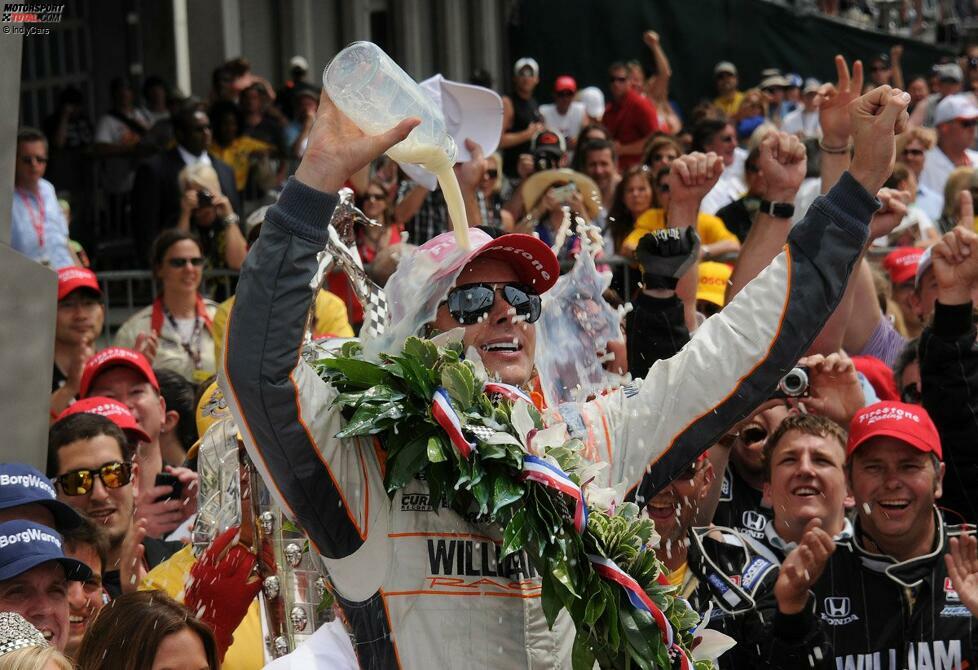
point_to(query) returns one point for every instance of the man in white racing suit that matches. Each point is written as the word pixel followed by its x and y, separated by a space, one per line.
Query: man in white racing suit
pixel 424 587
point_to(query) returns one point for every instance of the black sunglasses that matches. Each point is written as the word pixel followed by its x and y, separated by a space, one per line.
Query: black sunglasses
pixel 619 79
pixel 911 394
pixel 196 261
pixel 79 482
pixel 470 302
pixel 371 196
pixel 913 152
pixel 968 123
pixel 492 174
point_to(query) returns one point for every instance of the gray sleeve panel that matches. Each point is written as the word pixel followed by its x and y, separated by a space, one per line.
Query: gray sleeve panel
pixel 264 339
pixel 821 253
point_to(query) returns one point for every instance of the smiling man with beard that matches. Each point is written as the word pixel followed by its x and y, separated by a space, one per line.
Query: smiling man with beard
pixel 89 465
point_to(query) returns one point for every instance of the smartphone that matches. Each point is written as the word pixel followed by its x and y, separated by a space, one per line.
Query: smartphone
pixel 166 479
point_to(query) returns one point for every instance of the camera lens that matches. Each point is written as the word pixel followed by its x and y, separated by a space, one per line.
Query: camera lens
pixel 795 383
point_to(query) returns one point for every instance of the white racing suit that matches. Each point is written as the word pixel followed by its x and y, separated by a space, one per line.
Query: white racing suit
pixel 423 588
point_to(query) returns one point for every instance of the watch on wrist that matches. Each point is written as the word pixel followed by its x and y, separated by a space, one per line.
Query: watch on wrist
pixel 779 210
pixel 232 219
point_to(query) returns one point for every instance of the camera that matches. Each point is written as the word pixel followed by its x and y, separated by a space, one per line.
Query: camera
pixel 794 384
pixel 204 198
pixel 564 193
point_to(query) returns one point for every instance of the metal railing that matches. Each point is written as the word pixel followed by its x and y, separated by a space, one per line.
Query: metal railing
pixel 125 292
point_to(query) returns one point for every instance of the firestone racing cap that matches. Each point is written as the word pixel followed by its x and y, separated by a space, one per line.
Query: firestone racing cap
pixel 72 278
pixel 534 262
pixel 111 409
pixel 21 484
pixel 909 424
pixel 114 357
pixel 25 545
pixel 901 265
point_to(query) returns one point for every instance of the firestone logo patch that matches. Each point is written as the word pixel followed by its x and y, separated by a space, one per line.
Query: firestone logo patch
pixel 888 414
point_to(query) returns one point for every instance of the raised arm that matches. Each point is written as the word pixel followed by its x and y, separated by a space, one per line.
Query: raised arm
pixel 735 359
pixel 659 84
pixel 277 400
pixel 782 162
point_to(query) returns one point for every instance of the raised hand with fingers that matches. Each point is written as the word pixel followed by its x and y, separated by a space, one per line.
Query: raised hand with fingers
pixel 833 101
pixel 962 568
pixel 955 263
pixel 893 207
pixel 782 161
pixel 337 148
pixel 877 118
pixel 801 569
pixel 835 391
pixel 691 177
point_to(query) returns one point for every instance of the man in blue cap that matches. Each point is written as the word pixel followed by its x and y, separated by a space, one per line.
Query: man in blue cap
pixel 34 576
pixel 26 494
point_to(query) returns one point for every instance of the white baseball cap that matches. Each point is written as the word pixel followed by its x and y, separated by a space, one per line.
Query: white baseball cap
pixel 470 112
pixel 298 62
pixel 957 106
pixel 526 62
pixel 593 100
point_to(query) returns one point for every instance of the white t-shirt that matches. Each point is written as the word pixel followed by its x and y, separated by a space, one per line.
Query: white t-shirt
pixel 731 185
pixel 328 648
pixel 801 122
pixel 937 168
pixel 118 171
pixel 569 124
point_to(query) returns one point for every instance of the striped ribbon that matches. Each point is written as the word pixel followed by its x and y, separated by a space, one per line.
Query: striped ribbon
pixel 538 470
pixel 447 418
pixel 640 600
pixel 508 391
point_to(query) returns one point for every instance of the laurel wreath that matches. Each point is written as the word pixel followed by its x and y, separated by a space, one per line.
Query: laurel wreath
pixel 391 399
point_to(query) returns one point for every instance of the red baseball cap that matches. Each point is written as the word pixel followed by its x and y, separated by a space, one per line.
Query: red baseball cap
pixel 908 423
pixel 72 278
pixel 533 260
pixel 113 357
pixel 111 409
pixel 901 264
pixel 879 375
pixel 565 83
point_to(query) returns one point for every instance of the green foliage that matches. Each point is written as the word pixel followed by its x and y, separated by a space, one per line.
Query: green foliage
pixel 392 399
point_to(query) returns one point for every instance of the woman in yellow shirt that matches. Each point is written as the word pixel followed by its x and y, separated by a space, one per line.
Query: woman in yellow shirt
pixel 715 239
pixel 235 149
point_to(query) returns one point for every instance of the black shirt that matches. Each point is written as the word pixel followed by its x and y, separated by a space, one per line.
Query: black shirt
pixel 525 112
pixel 157 551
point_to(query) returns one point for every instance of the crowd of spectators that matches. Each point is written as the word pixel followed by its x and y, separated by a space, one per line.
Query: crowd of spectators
pixel 824 530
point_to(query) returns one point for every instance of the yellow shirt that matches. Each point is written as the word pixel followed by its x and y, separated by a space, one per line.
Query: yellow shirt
pixel 709 227
pixel 730 106
pixel 330 319
pixel 677 576
pixel 247 650
pixel 238 156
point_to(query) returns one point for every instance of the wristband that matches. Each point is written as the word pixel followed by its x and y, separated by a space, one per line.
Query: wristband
pixel 835 150
pixel 779 210
pixel 659 282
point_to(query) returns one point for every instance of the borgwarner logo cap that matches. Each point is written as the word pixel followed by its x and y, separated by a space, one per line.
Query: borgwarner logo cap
pixel 25 545
pixel 23 485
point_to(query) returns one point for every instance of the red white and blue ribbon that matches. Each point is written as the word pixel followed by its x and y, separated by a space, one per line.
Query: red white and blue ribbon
pixel 640 600
pixel 447 418
pixel 538 470
pixel 508 391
